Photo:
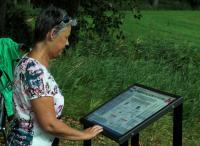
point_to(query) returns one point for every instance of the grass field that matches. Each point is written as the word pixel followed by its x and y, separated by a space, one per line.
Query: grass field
pixel 163 51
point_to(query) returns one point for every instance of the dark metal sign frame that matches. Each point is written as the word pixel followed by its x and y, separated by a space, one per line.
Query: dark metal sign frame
pixel 175 106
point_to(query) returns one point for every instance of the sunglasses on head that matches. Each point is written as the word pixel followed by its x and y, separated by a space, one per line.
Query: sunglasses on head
pixel 68 20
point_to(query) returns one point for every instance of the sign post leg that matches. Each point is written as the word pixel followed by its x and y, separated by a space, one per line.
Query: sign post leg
pixel 124 144
pixel 87 142
pixel 135 140
pixel 177 125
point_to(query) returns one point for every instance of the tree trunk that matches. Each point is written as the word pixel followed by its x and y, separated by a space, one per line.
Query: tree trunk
pixel 150 2
pixel 74 4
pixel 28 2
pixel 70 5
pixel 194 3
pixel 155 3
pixel 15 2
pixel 3 4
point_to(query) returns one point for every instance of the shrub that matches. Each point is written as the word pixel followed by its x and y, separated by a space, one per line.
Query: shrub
pixel 20 22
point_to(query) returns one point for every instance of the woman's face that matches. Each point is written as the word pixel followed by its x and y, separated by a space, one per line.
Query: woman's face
pixel 60 42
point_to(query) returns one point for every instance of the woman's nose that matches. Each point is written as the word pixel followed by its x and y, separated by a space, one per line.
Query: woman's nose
pixel 67 43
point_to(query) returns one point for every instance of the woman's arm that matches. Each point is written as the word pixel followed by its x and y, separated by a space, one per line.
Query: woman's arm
pixel 44 111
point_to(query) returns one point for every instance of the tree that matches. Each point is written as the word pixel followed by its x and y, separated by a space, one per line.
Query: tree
pixel 194 3
pixel 154 3
pixel 102 23
pixel 29 2
pixel 15 2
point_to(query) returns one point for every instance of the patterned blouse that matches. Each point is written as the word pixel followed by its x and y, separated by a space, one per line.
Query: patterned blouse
pixel 32 80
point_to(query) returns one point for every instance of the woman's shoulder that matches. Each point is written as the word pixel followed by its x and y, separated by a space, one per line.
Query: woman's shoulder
pixel 28 64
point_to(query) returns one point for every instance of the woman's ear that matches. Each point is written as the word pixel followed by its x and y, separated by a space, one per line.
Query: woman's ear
pixel 52 34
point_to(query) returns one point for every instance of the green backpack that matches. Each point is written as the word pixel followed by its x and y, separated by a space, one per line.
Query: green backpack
pixel 9 53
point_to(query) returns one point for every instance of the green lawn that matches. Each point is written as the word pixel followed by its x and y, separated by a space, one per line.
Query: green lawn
pixel 177 26
pixel 163 51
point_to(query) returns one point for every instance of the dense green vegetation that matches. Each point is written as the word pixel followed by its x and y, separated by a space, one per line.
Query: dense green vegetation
pixel 161 50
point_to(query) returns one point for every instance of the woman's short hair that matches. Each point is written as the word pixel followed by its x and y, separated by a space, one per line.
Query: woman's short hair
pixel 48 19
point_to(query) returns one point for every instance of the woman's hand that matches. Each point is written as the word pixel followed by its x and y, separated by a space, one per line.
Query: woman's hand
pixel 92 131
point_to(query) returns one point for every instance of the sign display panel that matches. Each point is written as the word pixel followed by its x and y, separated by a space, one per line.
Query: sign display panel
pixel 129 109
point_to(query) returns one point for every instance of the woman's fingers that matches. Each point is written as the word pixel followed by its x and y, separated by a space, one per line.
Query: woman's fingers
pixel 93 131
pixel 97 129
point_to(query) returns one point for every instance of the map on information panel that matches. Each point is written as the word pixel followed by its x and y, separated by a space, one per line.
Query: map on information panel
pixel 129 109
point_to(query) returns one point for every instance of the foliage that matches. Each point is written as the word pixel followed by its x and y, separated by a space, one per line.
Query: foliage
pixel 194 3
pixel 97 21
pixel 169 4
pixel 19 22
pixel 105 17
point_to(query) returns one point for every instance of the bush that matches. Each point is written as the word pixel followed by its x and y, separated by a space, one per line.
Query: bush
pixel 20 22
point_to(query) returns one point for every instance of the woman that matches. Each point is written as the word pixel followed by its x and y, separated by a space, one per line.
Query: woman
pixel 37 99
